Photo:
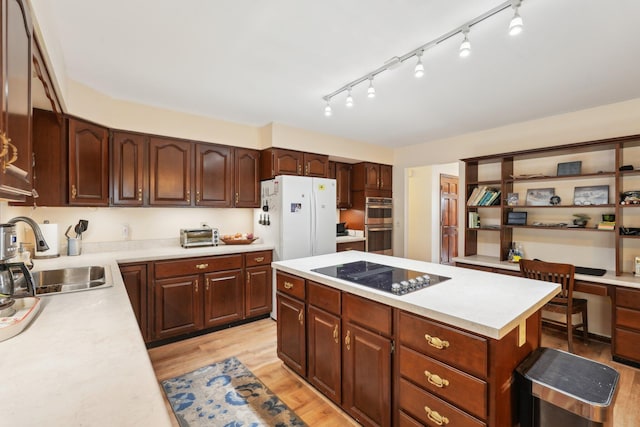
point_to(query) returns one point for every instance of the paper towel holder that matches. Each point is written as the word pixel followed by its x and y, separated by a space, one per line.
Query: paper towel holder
pixel 53 252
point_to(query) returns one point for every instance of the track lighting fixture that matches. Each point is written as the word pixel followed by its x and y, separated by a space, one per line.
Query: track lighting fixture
pixel 465 46
pixel 349 100
pixel 371 92
pixel 515 27
pixel 418 71
pixel 327 109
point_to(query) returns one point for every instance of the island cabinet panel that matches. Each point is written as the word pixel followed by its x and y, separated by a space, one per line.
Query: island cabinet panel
pixel 371 315
pixel 626 334
pixel 291 285
pixel 170 172
pixel 431 410
pixel 366 375
pixel 178 306
pixel 292 346
pixel 325 352
pixel 223 298
pixel 135 281
pixel 456 348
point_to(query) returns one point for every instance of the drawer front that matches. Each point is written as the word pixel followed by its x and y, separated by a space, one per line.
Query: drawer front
pixel 629 298
pixel 183 267
pixel 627 344
pixel 257 258
pixel 370 314
pixel 465 391
pixel 628 318
pixel 324 297
pixel 430 410
pixel 451 346
pixel 405 420
pixel 290 285
pixel 591 288
pixel 350 246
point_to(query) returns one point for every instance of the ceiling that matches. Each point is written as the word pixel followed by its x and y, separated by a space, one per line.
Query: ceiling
pixel 256 62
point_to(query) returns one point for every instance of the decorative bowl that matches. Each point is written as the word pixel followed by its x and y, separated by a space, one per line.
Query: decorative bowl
pixel 238 241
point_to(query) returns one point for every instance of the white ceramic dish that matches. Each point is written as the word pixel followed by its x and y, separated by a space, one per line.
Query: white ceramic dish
pixel 25 311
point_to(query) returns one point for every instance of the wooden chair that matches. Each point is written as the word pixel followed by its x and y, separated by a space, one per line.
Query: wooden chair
pixel 564 302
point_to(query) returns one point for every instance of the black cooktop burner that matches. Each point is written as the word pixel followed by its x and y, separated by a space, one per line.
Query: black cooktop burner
pixel 395 280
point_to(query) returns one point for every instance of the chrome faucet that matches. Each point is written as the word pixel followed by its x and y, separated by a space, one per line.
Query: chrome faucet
pixel 41 244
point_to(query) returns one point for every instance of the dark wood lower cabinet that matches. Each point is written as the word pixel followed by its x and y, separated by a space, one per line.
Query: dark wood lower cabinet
pixel 135 281
pixel 258 291
pixel 366 375
pixel 291 333
pixel 325 352
pixel 224 298
pixel 178 306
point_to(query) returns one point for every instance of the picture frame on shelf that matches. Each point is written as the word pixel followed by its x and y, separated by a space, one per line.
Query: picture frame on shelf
pixel 540 196
pixel 591 195
pixel 569 168
pixel 516 218
pixel 513 199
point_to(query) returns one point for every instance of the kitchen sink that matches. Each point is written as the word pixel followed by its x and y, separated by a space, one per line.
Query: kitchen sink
pixel 71 279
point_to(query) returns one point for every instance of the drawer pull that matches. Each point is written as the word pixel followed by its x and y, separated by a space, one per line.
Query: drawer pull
pixel 301 317
pixel 347 340
pixel 259 259
pixel 201 266
pixel 436 380
pixel 336 336
pixel 288 285
pixel 436 342
pixel 436 417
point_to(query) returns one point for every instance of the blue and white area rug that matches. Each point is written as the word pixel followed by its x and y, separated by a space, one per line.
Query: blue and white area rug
pixel 226 394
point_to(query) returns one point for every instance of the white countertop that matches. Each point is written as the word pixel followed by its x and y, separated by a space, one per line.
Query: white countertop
pixel 609 278
pixel 488 304
pixel 82 361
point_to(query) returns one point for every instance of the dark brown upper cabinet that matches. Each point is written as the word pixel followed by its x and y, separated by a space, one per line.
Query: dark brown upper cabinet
pixel 16 40
pixel 372 178
pixel 128 177
pixel 88 164
pixel 170 172
pixel 278 161
pixel 214 175
pixel 343 185
pixel 247 178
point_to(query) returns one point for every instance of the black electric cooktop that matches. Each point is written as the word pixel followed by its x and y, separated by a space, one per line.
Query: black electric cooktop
pixel 395 280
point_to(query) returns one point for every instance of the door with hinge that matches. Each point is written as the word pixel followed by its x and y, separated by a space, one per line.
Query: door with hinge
pixel 448 218
pixel 128 153
pixel 170 172
pixel 214 175
pixel 88 164
pixel 177 306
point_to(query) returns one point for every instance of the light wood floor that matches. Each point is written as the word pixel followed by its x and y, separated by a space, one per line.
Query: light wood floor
pixel 254 344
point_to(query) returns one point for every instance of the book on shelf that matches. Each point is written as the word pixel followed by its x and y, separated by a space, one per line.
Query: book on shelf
pixel 475 195
pixel 606 225
pixel 474 220
pixel 483 196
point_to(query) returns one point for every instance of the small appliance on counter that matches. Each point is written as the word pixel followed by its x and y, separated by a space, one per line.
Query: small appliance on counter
pixel 196 237
pixel 341 229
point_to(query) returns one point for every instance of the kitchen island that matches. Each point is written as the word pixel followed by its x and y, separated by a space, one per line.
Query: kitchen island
pixel 445 352
pixel 82 360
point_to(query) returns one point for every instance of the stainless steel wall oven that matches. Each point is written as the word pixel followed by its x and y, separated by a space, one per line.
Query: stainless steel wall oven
pixel 378 228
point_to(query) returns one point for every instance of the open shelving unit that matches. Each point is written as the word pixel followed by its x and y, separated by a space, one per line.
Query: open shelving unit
pixel 518 171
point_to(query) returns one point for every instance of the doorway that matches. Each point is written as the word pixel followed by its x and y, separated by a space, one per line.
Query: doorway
pixel 448 218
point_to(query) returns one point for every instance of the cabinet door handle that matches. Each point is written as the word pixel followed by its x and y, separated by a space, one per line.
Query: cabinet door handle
pixel 248 278
pixel 196 285
pixel 139 194
pixel 347 340
pixel 288 285
pixel 237 197
pixel 306 169
pixel 207 284
pixel 197 197
pixel 299 169
pixel 436 342
pixel 6 144
pixel 436 417
pixel 259 259
pixel 301 316
pixel 201 266
pixel 188 198
pixel 74 191
pixel 436 380
pixel 336 335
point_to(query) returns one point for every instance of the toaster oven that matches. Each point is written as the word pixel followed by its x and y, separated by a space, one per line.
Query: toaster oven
pixel 195 237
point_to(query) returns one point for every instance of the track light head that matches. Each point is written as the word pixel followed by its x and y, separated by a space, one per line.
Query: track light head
pixel 349 100
pixel 515 26
pixel 465 46
pixel 327 109
pixel 418 71
pixel 371 92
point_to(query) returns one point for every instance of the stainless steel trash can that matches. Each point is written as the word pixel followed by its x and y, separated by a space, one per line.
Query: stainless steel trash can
pixel 557 388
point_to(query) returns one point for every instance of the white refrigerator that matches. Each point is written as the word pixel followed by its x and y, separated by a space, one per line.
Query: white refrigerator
pixel 298 216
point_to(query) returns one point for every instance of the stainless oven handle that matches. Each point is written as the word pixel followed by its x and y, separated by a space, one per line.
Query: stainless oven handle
pixel 380 229
pixel 379 207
